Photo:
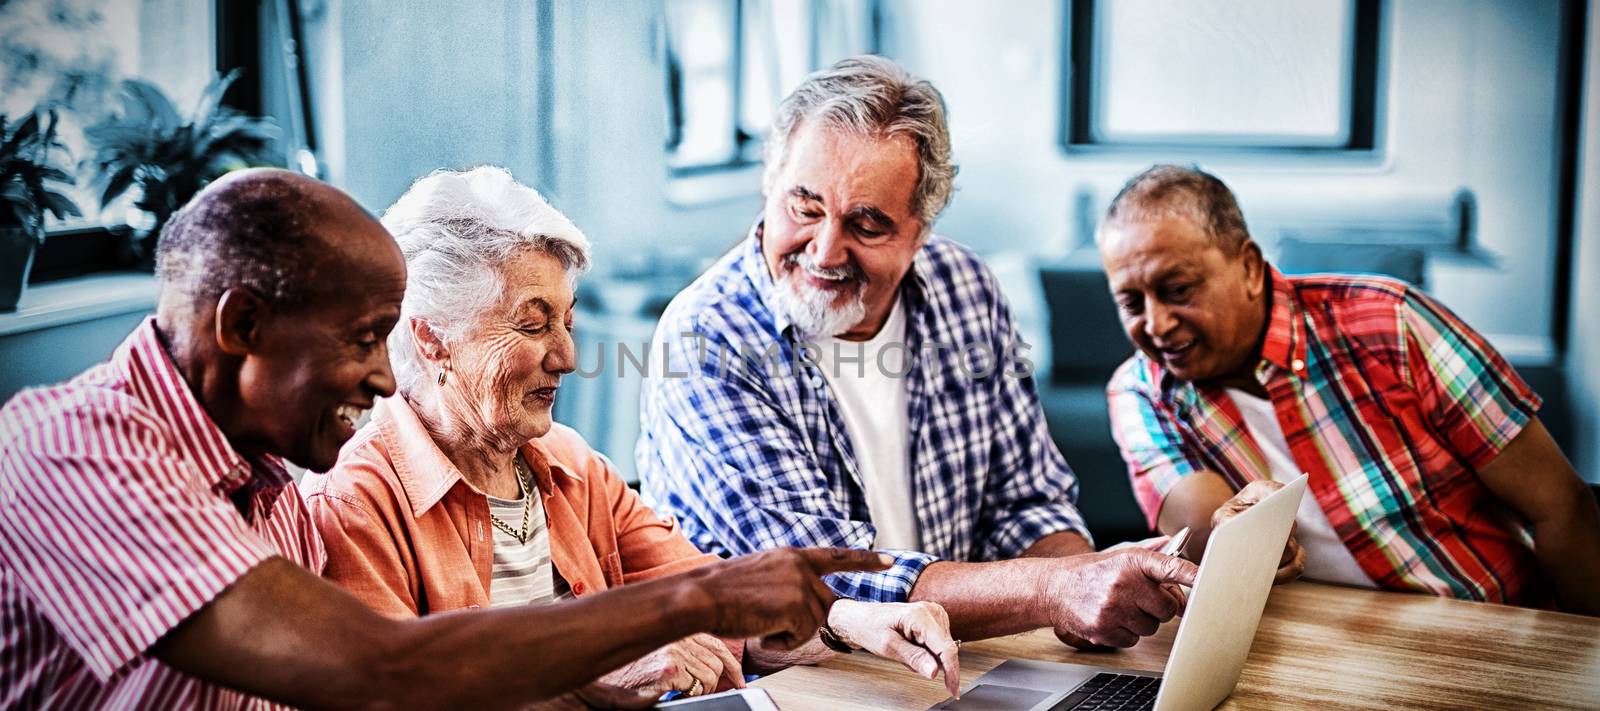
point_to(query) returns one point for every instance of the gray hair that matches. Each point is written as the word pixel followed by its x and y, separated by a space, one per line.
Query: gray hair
pixel 455 229
pixel 872 96
pixel 253 228
pixel 1188 192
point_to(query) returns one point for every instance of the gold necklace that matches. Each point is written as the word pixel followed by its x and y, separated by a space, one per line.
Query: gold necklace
pixel 527 505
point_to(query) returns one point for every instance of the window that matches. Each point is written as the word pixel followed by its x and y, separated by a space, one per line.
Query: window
pixel 266 40
pixel 73 55
pixel 729 63
pixel 1255 74
pixel 69 55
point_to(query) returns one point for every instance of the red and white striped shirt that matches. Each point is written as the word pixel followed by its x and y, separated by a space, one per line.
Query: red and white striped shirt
pixel 117 522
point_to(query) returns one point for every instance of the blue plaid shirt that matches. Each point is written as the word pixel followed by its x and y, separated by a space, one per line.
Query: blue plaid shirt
pixel 743 442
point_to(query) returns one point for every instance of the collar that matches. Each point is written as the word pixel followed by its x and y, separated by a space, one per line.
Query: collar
pixel 1284 343
pixel 755 269
pixel 426 474
pixel 912 287
pixel 156 381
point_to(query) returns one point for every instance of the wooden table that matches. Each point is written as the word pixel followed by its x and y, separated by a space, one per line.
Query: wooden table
pixel 1318 646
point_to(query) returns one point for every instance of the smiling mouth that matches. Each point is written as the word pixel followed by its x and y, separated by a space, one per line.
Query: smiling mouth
pixel 1176 351
pixel 833 279
pixel 829 277
pixel 349 414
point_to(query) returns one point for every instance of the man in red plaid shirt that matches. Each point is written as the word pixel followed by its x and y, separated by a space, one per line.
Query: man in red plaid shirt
pixel 1429 469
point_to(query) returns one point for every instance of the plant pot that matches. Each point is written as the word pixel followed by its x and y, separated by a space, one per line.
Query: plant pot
pixel 17 245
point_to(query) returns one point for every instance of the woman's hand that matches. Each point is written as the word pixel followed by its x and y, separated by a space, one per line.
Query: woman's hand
pixel 677 666
pixel 916 634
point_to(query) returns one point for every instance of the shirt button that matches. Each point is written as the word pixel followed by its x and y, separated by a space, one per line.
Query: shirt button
pixel 578 588
pixel 1298 365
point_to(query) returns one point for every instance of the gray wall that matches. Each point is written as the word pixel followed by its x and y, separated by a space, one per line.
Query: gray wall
pixel 1583 358
pixel 56 354
pixel 403 89
pixel 1470 101
pixel 406 88
pixel 569 97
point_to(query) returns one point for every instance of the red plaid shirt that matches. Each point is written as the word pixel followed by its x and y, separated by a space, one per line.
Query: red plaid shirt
pixel 118 521
pixel 1390 402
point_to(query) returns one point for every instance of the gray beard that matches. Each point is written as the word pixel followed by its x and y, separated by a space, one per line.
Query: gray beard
pixel 812 310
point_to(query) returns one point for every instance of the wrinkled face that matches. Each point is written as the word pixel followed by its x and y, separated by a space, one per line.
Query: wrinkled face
pixel 839 231
pixel 505 370
pixel 1185 303
pixel 321 366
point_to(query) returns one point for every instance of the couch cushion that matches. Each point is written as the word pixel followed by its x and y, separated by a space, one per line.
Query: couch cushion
pixel 1086 339
pixel 1299 257
pixel 1081 427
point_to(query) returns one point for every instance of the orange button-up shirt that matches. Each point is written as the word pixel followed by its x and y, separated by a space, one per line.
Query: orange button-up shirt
pixel 409 536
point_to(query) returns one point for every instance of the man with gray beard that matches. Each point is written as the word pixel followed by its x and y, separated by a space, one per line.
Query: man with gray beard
pixel 845 377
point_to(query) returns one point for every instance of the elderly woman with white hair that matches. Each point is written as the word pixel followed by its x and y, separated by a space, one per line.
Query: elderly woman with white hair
pixel 462 492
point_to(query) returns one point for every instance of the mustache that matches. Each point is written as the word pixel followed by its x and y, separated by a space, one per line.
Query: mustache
pixel 849 272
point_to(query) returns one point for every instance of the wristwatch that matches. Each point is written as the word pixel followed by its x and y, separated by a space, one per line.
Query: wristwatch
pixel 832 641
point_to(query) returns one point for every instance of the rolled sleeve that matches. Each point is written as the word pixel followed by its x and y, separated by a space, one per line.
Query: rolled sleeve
pixel 1472 396
pixel 116 545
pixel 1146 435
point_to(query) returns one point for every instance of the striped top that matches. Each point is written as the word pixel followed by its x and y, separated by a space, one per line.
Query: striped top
pixel 1389 402
pixel 523 573
pixel 124 510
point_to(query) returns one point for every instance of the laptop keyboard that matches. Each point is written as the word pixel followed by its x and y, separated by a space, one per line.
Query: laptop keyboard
pixel 1112 692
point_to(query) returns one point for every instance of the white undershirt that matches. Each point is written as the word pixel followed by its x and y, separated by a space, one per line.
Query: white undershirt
pixel 869 385
pixel 1327 559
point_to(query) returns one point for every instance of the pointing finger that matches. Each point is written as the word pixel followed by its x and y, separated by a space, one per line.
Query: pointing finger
pixel 1165 569
pixel 840 560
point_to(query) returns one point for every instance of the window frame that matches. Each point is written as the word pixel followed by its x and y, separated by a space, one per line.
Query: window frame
pixel 1079 71
pixel 747 145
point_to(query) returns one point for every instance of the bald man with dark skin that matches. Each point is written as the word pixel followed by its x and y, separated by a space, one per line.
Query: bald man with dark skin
pixel 277 357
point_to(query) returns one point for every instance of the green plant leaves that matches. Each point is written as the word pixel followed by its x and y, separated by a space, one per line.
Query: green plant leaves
pixel 145 103
pixel 60 205
pixel 28 166
pixel 169 157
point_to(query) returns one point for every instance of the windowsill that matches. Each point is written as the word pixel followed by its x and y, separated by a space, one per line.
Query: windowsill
pixel 80 299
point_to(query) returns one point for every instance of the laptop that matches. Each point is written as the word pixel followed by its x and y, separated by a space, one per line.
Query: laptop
pixel 1213 638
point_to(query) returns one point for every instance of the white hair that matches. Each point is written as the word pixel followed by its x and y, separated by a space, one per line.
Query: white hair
pixel 868 95
pixel 456 228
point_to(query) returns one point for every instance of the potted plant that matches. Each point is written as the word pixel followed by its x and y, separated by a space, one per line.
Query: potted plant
pixel 148 144
pixel 28 167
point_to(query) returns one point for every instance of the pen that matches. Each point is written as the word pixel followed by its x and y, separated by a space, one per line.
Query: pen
pixel 1176 544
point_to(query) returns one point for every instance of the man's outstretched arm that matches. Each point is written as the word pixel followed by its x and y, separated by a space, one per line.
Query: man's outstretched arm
pixel 1107 599
pixel 282 633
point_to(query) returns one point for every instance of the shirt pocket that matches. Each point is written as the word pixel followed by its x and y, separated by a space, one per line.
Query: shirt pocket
pixel 611 568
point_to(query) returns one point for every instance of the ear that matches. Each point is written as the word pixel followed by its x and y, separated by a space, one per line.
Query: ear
pixel 430 344
pixel 240 316
pixel 1255 268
